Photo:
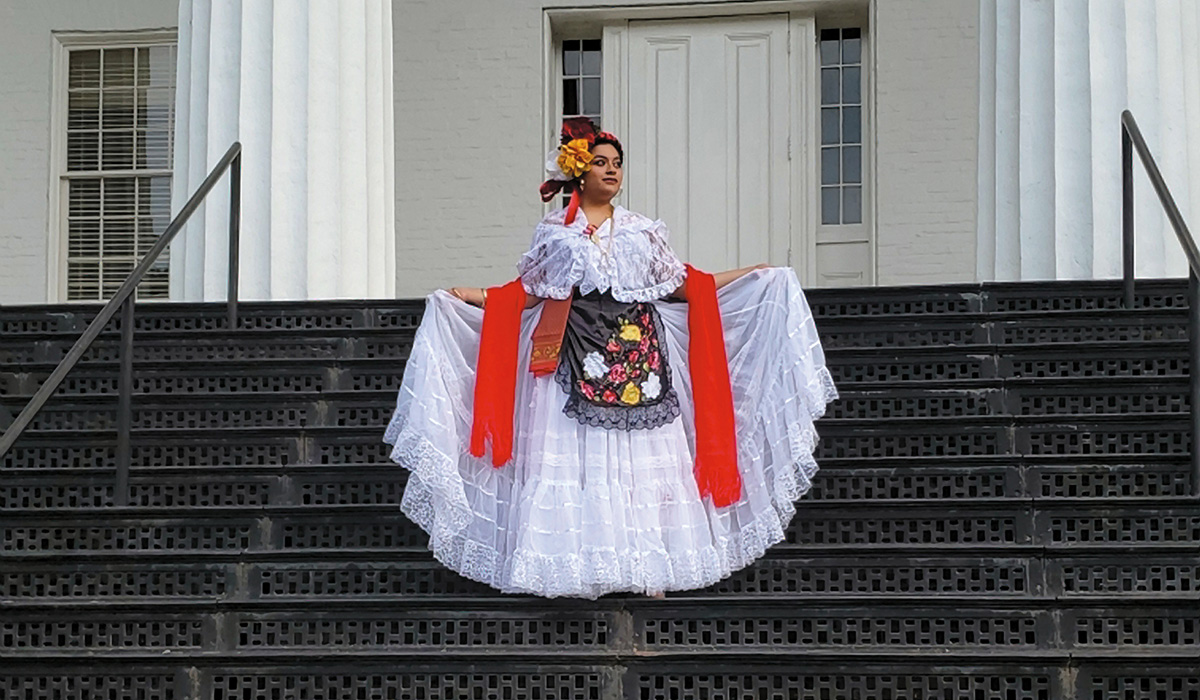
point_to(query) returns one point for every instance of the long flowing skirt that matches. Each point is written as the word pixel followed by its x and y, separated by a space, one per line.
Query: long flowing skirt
pixel 584 511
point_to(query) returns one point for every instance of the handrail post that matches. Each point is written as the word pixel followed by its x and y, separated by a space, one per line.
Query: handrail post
pixel 125 294
pixel 1127 213
pixel 125 406
pixel 1194 373
pixel 235 209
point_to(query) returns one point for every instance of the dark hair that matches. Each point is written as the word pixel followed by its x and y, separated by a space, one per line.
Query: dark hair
pixel 612 142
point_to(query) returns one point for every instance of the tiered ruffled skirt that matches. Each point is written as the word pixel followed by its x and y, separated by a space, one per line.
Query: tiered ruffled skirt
pixel 584 511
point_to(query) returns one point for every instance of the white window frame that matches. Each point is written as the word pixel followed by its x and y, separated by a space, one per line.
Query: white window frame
pixel 806 16
pixel 61 44
pixel 863 232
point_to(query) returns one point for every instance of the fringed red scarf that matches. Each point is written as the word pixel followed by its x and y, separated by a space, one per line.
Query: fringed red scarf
pixel 716 467
pixel 496 372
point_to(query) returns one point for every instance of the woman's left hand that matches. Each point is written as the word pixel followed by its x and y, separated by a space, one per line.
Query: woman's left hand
pixel 723 278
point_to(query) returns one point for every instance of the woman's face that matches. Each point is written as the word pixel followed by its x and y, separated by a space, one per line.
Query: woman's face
pixel 602 181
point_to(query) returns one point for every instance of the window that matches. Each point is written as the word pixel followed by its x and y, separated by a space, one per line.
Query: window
pixel 581 81
pixel 841 86
pixel 115 169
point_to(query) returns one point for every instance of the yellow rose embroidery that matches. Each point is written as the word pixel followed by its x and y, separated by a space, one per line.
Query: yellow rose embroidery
pixel 631 395
pixel 574 159
pixel 631 332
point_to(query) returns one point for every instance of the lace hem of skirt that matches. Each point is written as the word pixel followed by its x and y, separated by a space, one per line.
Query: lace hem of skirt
pixel 596 571
pixel 435 501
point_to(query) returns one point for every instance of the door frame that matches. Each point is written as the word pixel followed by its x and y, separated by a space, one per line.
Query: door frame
pixel 803 86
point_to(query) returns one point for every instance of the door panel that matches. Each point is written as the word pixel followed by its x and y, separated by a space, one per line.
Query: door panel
pixel 707 146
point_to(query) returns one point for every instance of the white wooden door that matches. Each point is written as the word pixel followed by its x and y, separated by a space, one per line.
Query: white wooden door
pixel 707 143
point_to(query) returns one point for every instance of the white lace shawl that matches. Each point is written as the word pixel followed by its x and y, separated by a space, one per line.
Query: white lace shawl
pixel 629 255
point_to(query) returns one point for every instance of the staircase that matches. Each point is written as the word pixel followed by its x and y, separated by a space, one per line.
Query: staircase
pixel 1003 512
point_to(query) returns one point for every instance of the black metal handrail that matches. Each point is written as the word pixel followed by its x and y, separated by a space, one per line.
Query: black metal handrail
pixel 1131 140
pixel 124 300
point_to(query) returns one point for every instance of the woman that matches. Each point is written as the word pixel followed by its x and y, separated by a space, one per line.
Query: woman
pixel 650 425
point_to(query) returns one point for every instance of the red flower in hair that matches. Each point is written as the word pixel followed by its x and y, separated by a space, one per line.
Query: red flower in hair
pixel 578 128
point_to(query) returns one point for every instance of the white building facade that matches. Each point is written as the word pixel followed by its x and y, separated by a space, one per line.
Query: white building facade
pixel 395 147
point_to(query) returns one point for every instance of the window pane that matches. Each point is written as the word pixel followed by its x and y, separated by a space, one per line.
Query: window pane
pixel 83 279
pixel 851 125
pixel 830 86
pixel 116 150
pixel 118 67
pixel 570 58
pixel 160 196
pixel 852 85
pixel 153 150
pixel 83 199
pixel 591 95
pixel 830 47
pixel 829 126
pixel 118 237
pixel 852 46
pixel 161 70
pixel 830 204
pixel 83 110
pixel 571 97
pixel 83 237
pixel 115 271
pixel 852 164
pixel 83 150
pixel 852 205
pixel 591 61
pixel 830 172
pixel 84 69
pixel 118 108
pixel 119 197
pixel 156 283
pixel 155 108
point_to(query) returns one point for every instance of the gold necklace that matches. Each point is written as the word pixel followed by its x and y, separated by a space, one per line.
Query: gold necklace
pixel 604 251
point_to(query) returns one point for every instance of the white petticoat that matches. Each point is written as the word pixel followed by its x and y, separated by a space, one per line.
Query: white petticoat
pixel 584 511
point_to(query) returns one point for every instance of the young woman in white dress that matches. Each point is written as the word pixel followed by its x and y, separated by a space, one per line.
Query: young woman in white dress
pixel 637 444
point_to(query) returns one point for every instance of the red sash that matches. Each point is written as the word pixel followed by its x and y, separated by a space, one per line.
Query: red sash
pixel 496 372
pixel 716 467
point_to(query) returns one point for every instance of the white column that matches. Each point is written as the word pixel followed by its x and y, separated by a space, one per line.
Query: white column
pixel 306 86
pixel 1061 71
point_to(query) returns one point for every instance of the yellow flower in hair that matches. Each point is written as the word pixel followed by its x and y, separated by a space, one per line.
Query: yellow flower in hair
pixel 631 333
pixel 631 395
pixel 574 159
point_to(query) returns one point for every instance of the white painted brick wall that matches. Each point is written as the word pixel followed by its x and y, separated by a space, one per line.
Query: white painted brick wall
pixel 25 84
pixel 927 72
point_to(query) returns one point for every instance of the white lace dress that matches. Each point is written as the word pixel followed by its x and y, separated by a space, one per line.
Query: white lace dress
pixel 583 510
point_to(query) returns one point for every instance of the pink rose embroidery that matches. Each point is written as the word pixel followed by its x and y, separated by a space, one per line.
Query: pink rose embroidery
pixel 617 374
pixel 609 396
pixel 653 360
